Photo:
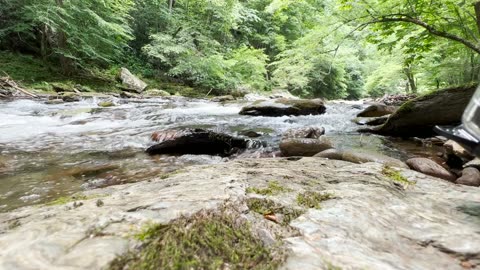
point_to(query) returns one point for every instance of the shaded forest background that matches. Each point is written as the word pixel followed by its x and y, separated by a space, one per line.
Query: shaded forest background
pixel 331 49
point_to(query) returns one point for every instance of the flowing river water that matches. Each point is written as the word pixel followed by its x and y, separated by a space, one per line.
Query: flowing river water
pixel 52 151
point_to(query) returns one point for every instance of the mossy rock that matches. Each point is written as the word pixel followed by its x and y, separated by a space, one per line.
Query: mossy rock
pixel 156 93
pixel 106 104
pixel 206 240
pixel 417 118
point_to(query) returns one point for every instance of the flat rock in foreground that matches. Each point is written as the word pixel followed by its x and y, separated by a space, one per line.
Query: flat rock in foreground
pixel 281 107
pixel 373 222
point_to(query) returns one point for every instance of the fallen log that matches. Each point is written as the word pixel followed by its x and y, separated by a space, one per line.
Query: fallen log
pixel 416 118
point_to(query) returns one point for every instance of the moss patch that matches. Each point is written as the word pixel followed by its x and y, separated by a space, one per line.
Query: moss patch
pixel 396 176
pixel 274 188
pixel 204 241
pixel 311 199
pixel 269 207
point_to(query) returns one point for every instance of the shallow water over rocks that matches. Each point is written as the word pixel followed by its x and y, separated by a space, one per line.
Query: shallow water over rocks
pixel 50 151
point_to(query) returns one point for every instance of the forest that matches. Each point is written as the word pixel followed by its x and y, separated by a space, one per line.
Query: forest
pixel 334 49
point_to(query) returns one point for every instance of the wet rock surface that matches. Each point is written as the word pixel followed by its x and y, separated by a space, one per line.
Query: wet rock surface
pixel 304 147
pixel 430 167
pixel 281 107
pixel 198 141
pixel 306 132
pixel 361 156
pixel 371 221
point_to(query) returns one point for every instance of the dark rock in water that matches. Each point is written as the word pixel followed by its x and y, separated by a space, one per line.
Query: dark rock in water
pixel 250 134
pixel 198 141
pixel 223 98
pixel 304 147
pixel 360 156
pixel 429 167
pixel 470 177
pixel 416 118
pixel 305 132
pixel 281 107
pixel 377 110
pixel 453 148
pixel 356 107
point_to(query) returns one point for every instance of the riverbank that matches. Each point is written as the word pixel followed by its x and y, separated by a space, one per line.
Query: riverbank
pixel 379 222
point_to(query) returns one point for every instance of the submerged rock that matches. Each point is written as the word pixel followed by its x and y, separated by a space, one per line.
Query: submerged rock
pixel 470 177
pixel 304 147
pixel 106 104
pixel 361 156
pixel 383 221
pixel 377 110
pixel 430 167
pixel 198 141
pixel 281 107
pixel 131 81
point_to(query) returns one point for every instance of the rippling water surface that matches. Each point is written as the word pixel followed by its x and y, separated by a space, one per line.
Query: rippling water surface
pixel 50 151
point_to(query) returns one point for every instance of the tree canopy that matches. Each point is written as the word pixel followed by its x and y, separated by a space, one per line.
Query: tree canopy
pixel 330 49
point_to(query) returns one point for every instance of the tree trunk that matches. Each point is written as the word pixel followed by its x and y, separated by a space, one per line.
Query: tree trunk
pixel 43 42
pixel 477 14
pixel 170 5
pixel 65 62
pixel 411 79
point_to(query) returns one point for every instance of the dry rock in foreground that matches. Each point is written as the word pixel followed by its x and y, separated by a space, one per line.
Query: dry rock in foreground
pixel 370 221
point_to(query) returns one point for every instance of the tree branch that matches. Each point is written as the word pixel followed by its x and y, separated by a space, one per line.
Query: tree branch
pixel 432 30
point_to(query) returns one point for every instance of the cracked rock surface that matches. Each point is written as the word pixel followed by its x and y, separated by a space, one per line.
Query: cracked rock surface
pixel 373 222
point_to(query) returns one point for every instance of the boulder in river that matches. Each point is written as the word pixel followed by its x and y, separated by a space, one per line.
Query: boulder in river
pixel 416 118
pixel 198 141
pixel 223 98
pixel 360 156
pixel 305 132
pixel 430 167
pixel 304 147
pixel 470 177
pixel 156 93
pixel 377 110
pixel 281 107
pixel 130 81
pixel 454 148
pixel 70 97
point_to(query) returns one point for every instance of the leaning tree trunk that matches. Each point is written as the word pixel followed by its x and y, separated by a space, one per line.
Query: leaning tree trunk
pixel 416 118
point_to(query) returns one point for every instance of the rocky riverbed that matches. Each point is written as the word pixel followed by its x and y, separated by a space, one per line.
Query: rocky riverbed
pixel 98 201
pixel 368 220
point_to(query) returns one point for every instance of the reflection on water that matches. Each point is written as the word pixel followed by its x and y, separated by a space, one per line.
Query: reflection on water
pixel 48 151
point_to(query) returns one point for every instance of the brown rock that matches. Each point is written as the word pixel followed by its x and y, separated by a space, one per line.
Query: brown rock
pixel 429 167
pixel 361 156
pixel 306 133
pixel 331 154
pixel 456 149
pixel 304 147
pixel 377 110
pixel 281 107
pixel 470 177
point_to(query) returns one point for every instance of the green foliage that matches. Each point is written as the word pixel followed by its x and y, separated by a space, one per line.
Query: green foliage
pixel 204 241
pixel 269 207
pixel 396 176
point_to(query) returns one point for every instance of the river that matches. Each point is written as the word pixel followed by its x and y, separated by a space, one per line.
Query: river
pixel 51 151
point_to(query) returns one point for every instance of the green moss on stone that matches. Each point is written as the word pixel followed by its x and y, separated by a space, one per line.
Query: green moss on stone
pixel 395 176
pixel 269 207
pixel 274 188
pixel 203 241
pixel 311 199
